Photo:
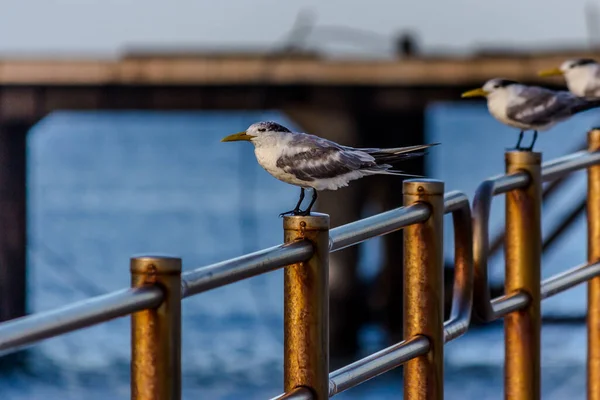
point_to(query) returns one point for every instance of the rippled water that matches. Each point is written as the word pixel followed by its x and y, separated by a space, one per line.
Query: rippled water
pixel 104 186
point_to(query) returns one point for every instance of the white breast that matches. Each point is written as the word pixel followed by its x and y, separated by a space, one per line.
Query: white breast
pixel 267 155
pixel 497 103
pixel 582 80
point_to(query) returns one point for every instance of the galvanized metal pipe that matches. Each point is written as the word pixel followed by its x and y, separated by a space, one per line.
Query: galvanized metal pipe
pixel 22 332
pixel 376 364
pixel 566 280
pixel 306 308
pixel 300 393
pixel 424 290
pixel 570 163
pixel 482 204
pixel 481 208
pixel 523 252
pixel 249 265
pixel 593 255
pixel 508 303
pixel 377 225
pixel 508 182
pixel 457 203
pixel 156 333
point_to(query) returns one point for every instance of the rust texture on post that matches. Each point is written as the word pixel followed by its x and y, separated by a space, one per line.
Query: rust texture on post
pixel 523 251
pixel 593 322
pixel 424 291
pixel 306 308
pixel 156 333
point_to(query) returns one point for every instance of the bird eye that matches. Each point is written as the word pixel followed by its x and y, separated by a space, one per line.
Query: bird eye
pixel 262 130
pixel 496 86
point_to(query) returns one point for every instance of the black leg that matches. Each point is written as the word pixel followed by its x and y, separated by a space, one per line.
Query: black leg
pixel 296 209
pixel 530 148
pixel 312 202
pixel 518 146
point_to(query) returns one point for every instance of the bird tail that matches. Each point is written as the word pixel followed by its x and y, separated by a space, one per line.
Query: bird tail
pixel 384 171
pixel 396 154
pixel 585 105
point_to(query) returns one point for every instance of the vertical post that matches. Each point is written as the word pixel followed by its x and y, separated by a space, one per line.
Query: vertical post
pixel 306 308
pixel 13 238
pixel 593 223
pixel 156 333
pixel 424 290
pixel 523 252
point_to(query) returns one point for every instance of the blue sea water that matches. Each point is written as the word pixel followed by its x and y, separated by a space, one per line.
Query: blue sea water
pixel 105 186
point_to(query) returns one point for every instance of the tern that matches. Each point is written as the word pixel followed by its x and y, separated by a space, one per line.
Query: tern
pixel 581 75
pixel 529 107
pixel 309 161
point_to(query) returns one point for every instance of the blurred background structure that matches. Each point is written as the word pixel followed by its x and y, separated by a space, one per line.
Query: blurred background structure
pixel 110 119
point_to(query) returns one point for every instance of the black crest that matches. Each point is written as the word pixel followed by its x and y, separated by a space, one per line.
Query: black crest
pixel 583 61
pixel 271 127
pixel 505 82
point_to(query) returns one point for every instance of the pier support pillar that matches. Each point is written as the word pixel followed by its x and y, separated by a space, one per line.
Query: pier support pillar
pixel 13 240
pixel 392 129
pixel 346 298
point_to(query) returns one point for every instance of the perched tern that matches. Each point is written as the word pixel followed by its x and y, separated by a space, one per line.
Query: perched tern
pixel 529 107
pixel 309 161
pixel 581 75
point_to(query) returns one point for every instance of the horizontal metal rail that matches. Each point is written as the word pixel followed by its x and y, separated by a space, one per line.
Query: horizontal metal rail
pixel 549 287
pixel 21 332
pixel 508 303
pixel 376 364
pixel 230 271
pixel 570 163
pixel 566 280
pixel 226 272
pixel 381 224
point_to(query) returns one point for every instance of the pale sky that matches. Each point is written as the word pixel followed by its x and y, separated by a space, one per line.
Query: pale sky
pixel 105 27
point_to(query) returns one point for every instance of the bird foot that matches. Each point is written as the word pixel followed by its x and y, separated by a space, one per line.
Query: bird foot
pixel 291 212
pixel 297 212
pixel 518 148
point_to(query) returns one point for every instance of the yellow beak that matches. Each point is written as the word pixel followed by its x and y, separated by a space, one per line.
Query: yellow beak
pixel 236 137
pixel 550 72
pixel 475 93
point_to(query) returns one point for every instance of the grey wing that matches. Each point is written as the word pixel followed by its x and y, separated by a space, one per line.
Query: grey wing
pixel 311 157
pixel 542 106
pixel 592 91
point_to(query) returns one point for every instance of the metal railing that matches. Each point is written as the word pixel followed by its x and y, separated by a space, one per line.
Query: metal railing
pixel 158 286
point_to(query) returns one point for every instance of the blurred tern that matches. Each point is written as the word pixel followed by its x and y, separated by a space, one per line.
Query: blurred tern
pixel 581 75
pixel 529 107
pixel 309 161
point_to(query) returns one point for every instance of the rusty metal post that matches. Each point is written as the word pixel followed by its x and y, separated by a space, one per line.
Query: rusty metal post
pixel 424 290
pixel 523 252
pixel 156 333
pixel 306 308
pixel 593 223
